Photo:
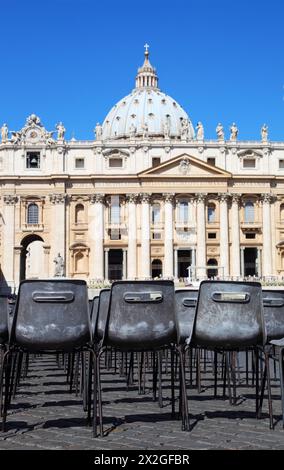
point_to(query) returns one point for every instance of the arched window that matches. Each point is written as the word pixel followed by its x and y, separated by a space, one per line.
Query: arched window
pixel 282 212
pixel 32 215
pixel 156 213
pixel 211 213
pixel 79 214
pixel 183 212
pixel 249 212
pixel 79 262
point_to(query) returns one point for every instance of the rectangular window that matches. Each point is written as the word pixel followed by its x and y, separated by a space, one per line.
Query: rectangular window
pixel 156 161
pixel 79 163
pixel 115 163
pixel 183 212
pixel 33 160
pixel 115 210
pixel 211 161
pixel 156 236
pixel 115 234
pixel 281 164
pixel 249 163
pixel 212 235
pixel 250 235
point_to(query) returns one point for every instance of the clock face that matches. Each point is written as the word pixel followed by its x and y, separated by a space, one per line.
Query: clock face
pixel 33 135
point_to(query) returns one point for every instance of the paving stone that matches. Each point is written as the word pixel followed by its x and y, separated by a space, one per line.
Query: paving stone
pixel 45 415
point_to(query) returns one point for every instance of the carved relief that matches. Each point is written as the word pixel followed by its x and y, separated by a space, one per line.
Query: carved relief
pixel 10 199
pixel 59 198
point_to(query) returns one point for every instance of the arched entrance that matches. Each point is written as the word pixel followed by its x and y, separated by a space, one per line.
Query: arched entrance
pixel 157 269
pixel 212 272
pixel 32 258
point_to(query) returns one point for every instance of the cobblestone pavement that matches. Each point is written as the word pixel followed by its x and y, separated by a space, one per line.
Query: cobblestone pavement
pixel 44 415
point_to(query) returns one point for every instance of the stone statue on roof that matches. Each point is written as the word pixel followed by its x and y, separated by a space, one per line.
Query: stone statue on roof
pixel 4 132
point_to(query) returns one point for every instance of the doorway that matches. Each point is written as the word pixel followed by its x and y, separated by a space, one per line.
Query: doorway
pixel 157 269
pixel 250 262
pixel 115 265
pixel 32 258
pixel 184 261
pixel 211 272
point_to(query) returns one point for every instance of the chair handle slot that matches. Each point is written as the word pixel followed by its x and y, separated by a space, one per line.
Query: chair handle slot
pixel 140 297
pixel 273 302
pixel 189 302
pixel 234 297
pixel 53 296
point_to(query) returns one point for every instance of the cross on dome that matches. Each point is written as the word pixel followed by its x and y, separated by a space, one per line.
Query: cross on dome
pixel 147 76
pixel 146 48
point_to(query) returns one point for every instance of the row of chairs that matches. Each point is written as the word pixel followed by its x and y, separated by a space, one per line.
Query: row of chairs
pixel 141 316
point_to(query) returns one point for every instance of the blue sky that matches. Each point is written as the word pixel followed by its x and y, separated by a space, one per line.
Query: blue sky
pixel 72 60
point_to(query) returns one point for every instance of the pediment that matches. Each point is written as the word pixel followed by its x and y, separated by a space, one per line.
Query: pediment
pixel 185 166
pixel 249 153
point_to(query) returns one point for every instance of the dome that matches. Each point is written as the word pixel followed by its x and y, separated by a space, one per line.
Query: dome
pixel 147 112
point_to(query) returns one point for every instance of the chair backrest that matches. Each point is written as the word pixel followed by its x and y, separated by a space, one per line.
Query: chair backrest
pixel 229 315
pixel 102 313
pixel 3 319
pixel 273 309
pixel 185 304
pixel 141 315
pixel 51 315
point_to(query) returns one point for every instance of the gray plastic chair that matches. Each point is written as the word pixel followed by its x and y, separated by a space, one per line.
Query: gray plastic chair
pixel 50 316
pixel 141 317
pixel 229 317
pixel 273 308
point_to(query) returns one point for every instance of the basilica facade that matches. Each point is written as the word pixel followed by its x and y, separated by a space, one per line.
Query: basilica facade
pixel 149 197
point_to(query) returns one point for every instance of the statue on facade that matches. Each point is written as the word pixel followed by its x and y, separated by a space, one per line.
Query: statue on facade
pixel 184 129
pixel 166 129
pixel 264 133
pixel 49 137
pixel 234 132
pixel 60 131
pixel 200 131
pixel 33 119
pixel 16 137
pixel 132 130
pixel 4 132
pixel 145 130
pixel 98 131
pixel 59 266
pixel 220 132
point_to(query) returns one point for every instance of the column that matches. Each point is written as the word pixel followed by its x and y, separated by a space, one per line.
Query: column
pixel 242 250
pixel 145 236
pixel 9 239
pixel 132 237
pixel 124 263
pixel 176 263
pixel 224 235
pixel 266 235
pixel 96 236
pixel 193 263
pixel 17 265
pixel 235 236
pixel 168 236
pixel 46 252
pixel 106 263
pixel 58 244
pixel 201 237
pixel 259 267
